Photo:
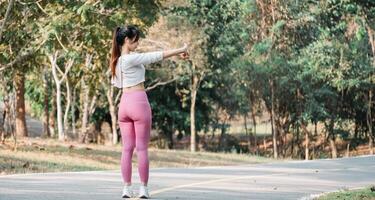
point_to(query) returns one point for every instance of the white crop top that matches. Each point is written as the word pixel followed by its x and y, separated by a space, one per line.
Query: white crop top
pixel 130 70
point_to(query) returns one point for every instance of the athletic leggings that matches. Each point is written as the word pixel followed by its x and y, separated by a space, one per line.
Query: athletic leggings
pixel 134 117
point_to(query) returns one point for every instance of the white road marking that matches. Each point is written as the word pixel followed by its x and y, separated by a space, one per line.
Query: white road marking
pixel 211 181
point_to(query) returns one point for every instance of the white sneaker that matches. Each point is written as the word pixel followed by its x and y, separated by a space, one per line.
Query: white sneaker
pixel 127 191
pixel 143 192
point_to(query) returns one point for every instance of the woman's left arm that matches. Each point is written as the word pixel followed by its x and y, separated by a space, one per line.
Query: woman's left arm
pixel 174 52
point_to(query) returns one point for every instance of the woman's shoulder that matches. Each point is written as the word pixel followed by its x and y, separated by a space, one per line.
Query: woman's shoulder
pixel 130 56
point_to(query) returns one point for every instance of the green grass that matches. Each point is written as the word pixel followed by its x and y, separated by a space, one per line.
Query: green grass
pixel 47 155
pixel 358 194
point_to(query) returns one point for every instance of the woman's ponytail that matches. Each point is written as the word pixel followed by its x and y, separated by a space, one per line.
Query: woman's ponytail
pixel 116 51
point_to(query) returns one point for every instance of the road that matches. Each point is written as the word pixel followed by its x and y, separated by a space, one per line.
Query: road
pixel 279 180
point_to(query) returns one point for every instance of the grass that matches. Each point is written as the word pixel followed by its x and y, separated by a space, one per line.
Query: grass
pixel 358 194
pixel 47 155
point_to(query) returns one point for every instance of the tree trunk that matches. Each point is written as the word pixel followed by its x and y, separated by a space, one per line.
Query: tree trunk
pixel 222 135
pixel 247 133
pixel 333 146
pixel 331 138
pixel 371 34
pixel 6 17
pixel 252 107
pixel 85 102
pixel 264 143
pixel 85 110
pixel 194 88
pixel 303 125
pixel 293 141
pixel 52 116
pixel 67 106
pixel 112 110
pixel 93 104
pixel 347 154
pixel 355 130
pixel 307 140
pixel 281 138
pixel 255 132
pixel 297 141
pixel 19 83
pixel 60 128
pixel 46 131
pixel 68 65
pixel 315 128
pixel 74 133
pixel 8 116
pixel 171 142
pixel 274 130
pixel 3 112
pixel 369 124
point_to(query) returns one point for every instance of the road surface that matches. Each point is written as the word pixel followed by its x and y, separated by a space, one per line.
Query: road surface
pixel 279 180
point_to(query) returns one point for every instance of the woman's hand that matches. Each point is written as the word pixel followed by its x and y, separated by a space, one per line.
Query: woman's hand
pixel 184 48
pixel 184 56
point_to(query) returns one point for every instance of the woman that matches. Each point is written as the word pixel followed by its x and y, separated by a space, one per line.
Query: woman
pixel 134 114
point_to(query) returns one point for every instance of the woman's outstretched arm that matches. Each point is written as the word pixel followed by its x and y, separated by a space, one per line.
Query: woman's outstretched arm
pixel 174 52
pixel 155 56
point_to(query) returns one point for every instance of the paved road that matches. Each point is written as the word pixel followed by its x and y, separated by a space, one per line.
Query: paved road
pixel 283 180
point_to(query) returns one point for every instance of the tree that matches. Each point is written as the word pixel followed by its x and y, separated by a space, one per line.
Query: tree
pixel 218 24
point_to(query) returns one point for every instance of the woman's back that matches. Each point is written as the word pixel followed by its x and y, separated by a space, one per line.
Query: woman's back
pixel 132 68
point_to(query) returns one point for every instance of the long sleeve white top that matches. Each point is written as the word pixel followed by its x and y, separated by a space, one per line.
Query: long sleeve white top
pixel 130 68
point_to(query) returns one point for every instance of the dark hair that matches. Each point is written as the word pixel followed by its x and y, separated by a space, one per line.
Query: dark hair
pixel 119 35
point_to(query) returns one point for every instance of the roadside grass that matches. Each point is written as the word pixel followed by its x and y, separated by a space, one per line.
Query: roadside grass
pixel 48 155
pixel 367 193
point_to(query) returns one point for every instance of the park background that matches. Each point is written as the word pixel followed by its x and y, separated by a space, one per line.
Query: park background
pixel 265 79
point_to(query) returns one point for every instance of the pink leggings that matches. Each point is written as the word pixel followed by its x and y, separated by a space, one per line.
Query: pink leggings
pixel 134 117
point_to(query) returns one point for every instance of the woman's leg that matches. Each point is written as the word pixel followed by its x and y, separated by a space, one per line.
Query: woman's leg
pixel 128 143
pixel 142 134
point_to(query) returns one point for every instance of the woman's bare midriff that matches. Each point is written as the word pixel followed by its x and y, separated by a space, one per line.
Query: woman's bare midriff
pixel 139 86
